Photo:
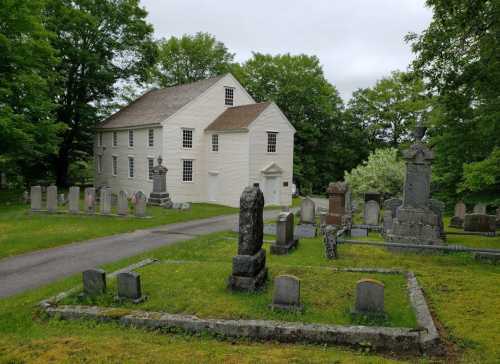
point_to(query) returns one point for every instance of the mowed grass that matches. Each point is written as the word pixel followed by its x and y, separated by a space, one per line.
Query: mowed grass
pixel 22 231
pixel 463 295
pixel 199 288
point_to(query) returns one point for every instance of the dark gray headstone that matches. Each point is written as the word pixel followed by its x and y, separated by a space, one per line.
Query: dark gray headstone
pixel 94 282
pixel 74 200
pixel 286 293
pixel 52 199
pixel 480 223
pixel 159 196
pixel 330 242
pixel 392 205
pixel 369 296
pixel 285 240
pixel 307 211
pixel 36 198
pixel 129 285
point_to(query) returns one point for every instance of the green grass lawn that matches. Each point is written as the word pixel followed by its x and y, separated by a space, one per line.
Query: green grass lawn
pixel 462 294
pixel 22 231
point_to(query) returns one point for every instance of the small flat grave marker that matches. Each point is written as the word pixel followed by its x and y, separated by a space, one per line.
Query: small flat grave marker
pixel 286 294
pixel 305 231
pixel 359 232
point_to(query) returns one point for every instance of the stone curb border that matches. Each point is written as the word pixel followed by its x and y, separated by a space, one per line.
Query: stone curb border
pixel 54 300
pixel 81 213
pixel 424 339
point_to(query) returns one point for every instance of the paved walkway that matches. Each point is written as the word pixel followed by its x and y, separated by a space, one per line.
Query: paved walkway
pixel 31 270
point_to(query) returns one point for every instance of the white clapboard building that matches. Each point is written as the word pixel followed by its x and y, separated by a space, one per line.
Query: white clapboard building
pixel 213 138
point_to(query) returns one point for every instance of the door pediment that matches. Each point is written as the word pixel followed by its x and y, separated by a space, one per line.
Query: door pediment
pixel 272 169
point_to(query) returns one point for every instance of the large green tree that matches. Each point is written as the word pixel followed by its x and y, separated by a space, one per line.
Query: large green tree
pixel 191 58
pixel 326 143
pixel 459 57
pixel 390 109
pixel 100 43
pixel 28 132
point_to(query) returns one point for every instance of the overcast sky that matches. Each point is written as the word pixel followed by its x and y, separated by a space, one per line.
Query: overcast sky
pixel 357 41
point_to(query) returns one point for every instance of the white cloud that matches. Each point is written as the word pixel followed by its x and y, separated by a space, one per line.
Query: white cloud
pixel 357 41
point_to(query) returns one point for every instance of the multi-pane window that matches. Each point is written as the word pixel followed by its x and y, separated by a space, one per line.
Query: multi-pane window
pixel 99 140
pixel 131 166
pixel 115 139
pixel 187 170
pixel 271 141
pixel 187 138
pixel 151 162
pixel 114 160
pixel 151 137
pixel 229 96
pixel 130 138
pixel 99 163
pixel 215 142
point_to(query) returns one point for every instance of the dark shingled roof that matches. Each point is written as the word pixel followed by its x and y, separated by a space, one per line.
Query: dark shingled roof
pixel 238 117
pixel 157 105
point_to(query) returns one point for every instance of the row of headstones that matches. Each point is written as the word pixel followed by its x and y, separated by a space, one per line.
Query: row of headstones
pixel 52 201
pixel 369 295
pixel 479 220
pixel 128 284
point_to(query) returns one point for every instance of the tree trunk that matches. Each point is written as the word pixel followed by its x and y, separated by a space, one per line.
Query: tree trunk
pixel 62 168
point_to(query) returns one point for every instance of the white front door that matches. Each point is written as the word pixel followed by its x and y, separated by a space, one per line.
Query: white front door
pixel 213 180
pixel 272 191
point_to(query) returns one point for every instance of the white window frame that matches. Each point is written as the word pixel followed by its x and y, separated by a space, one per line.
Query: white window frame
pixel 114 165
pixel 183 175
pixel 99 163
pixel 150 164
pixel 131 141
pixel 183 130
pixel 270 146
pixel 114 137
pixel 215 142
pixel 131 167
pixel 228 96
pixel 151 138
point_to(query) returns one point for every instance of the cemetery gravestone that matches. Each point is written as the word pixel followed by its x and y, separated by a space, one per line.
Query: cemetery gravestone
pixel 249 266
pixel 457 221
pixel 286 294
pixel 36 198
pixel 359 232
pixel 480 208
pixel 369 296
pixel 480 223
pixel 387 221
pixel 270 229
pixel 89 200
pixel 140 204
pixel 26 197
pixel 61 199
pixel 52 199
pixel 371 213
pixel 159 196
pixel 74 200
pixel 105 201
pixel 122 203
pixel 94 282
pixel 336 192
pixel 307 211
pixel 392 205
pixel 285 240
pixel 129 286
pixel 305 231
pixel 330 242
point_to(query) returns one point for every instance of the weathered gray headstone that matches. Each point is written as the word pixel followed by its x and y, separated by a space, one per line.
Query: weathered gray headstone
pixel 369 296
pixel 480 208
pixel 36 198
pixel 307 211
pixel 89 200
pixel 371 212
pixel 322 217
pixel 122 203
pixel 94 282
pixel 52 199
pixel 387 220
pixel 159 196
pixel 330 242
pixel 249 266
pixel 305 231
pixel 129 285
pixel 140 204
pixel 457 221
pixel 480 223
pixel 285 240
pixel 286 294
pixel 74 200
pixel 359 232
pixel 105 201
pixel 61 199
pixel 392 205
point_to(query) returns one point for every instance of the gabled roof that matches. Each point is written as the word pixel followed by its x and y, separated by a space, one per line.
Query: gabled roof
pixel 238 117
pixel 157 105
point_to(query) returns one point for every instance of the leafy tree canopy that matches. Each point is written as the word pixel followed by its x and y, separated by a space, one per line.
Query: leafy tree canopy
pixel 383 172
pixel 191 58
